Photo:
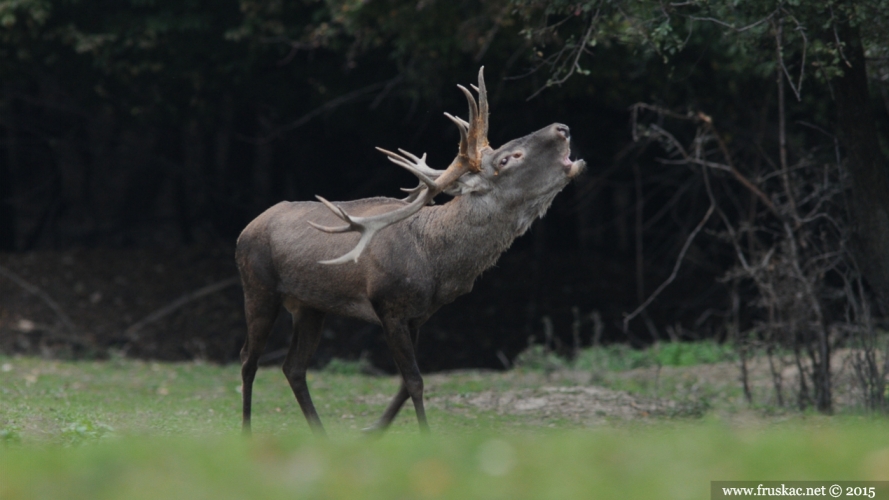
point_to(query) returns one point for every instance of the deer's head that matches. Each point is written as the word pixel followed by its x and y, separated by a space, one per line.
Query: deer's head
pixel 523 174
pixel 535 165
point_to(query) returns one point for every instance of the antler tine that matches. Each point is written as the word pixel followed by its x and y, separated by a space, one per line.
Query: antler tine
pixel 410 167
pixel 368 226
pixel 474 134
pixel 331 229
pixel 339 212
pixel 462 124
pixel 464 138
pixel 420 164
pixel 335 209
pixel 482 108
pixel 414 192
pixel 473 107
pixel 418 198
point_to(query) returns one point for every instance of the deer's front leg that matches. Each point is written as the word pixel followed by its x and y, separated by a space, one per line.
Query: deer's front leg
pixel 398 336
pixel 402 395
pixel 307 325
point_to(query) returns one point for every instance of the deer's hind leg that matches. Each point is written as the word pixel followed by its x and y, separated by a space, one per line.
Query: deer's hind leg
pixel 261 308
pixel 307 325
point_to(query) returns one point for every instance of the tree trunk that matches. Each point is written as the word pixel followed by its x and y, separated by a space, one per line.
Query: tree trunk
pixel 8 166
pixel 262 167
pixel 867 168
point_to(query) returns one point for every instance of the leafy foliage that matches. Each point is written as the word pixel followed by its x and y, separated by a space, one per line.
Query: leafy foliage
pixel 621 357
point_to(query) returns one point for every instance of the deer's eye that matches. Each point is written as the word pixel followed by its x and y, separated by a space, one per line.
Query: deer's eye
pixel 504 161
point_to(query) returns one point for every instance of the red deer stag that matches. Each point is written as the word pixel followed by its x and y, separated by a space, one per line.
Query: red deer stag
pixel 414 258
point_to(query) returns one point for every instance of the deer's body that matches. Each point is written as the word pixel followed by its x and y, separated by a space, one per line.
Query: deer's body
pixel 421 263
pixel 415 262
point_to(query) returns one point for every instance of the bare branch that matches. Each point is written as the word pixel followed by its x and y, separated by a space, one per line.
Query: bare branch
pixel 579 50
pixel 701 117
pixel 489 36
pixel 836 37
pixel 324 108
pixel 133 330
pixel 676 267
pixel 802 68
pixel 35 290
pixel 732 26
pixel 779 32
pixel 782 136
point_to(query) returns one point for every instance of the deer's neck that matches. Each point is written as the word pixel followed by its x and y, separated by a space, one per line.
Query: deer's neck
pixel 465 236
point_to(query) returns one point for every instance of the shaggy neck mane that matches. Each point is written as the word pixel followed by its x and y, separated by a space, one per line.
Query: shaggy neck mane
pixel 467 234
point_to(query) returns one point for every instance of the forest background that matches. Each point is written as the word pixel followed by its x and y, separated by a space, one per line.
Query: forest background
pixel 737 184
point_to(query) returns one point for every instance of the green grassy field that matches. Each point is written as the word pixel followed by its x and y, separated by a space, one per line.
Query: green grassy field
pixel 131 429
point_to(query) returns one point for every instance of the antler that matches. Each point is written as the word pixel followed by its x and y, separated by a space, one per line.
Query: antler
pixel 473 141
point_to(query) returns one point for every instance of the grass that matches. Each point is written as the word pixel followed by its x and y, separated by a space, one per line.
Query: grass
pixel 57 402
pixel 670 461
pixel 655 372
pixel 621 357
pixel 65 402
pixel 133 429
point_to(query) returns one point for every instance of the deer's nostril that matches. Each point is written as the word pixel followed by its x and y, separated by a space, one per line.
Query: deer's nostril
pixel 564 131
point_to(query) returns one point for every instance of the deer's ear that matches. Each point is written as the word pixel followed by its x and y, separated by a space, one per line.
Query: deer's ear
pixel 471 183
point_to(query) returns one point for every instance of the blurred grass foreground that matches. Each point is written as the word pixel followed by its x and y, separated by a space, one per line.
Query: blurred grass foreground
pixel 677 461
pixel 126 429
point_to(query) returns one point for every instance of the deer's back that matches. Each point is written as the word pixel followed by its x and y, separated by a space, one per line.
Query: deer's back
pixel 280 252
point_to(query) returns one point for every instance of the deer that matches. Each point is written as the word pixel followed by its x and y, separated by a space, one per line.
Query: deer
pixel 394 262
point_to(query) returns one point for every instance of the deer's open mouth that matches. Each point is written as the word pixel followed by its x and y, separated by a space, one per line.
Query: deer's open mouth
pixel 572 168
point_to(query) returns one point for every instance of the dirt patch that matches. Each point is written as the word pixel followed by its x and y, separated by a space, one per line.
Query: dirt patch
pixel 536 398
pixel 587 406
